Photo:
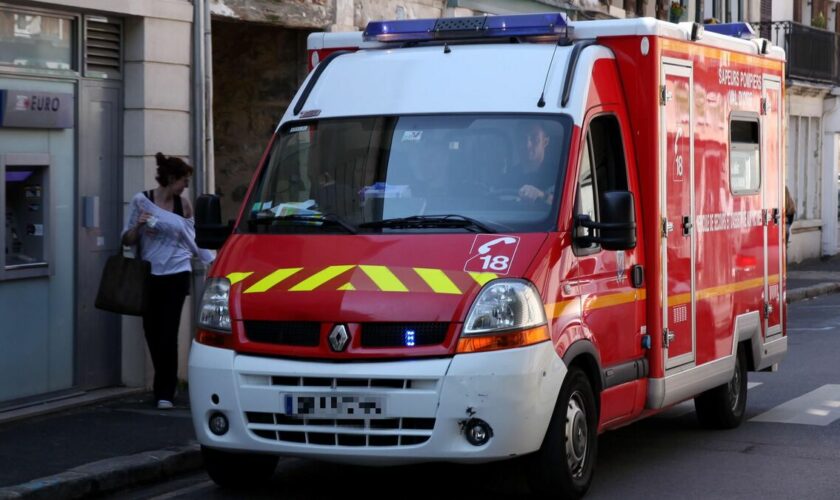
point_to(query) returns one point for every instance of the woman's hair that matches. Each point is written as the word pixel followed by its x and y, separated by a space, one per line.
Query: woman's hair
pixel 171 168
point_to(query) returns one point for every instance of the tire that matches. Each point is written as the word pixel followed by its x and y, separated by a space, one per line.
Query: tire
pixel 724 406
pixel 238 470
pixel 564 468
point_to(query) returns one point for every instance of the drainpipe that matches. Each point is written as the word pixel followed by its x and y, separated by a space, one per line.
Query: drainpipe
pixel 198 98
pixel 209 156
pixel 202 124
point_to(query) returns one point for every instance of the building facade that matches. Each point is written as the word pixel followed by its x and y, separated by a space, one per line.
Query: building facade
pixel 91 90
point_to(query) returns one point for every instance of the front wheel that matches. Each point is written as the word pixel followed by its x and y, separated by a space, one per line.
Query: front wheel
pixel 238 470
pixel 563 467
pixel 724 406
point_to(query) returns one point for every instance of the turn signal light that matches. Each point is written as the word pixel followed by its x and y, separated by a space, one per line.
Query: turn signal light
pixel 499 341
pixel 214 339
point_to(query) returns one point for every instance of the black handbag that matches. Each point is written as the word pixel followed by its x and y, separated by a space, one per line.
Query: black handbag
pixel 124 286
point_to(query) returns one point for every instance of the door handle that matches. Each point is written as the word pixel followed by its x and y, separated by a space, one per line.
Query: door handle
pixel 687 225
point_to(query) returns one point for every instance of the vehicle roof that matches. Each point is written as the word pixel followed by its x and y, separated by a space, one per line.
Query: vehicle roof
pixel 587 30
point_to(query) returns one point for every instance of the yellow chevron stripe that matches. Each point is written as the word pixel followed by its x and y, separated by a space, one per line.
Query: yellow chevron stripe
pixel 347 287
pixel 482 278
pixel 237 277
pixel 320 278
pixel 272 279
pixel 437 280
pixel 384 278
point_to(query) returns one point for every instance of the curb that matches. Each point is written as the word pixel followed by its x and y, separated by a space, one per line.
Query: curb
pixel 109 475
pixel 808 292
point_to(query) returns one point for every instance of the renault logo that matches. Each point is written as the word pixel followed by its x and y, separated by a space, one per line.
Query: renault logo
pixel 339 338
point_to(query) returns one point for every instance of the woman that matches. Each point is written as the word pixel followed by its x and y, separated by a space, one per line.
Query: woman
pixel 161 226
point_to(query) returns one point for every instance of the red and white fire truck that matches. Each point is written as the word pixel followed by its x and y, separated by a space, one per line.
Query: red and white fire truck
pixel 473 239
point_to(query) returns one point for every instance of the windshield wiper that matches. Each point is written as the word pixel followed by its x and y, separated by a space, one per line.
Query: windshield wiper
pixel 308 219
pixel 428 221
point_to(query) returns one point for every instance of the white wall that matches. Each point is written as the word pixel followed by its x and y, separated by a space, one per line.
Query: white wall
pixel 804 174
pixel 164 9
pixel 831 170
pixel 157 118
pixel 782 10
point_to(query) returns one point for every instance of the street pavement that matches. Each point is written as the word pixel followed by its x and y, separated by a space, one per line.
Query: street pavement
pixel 106 443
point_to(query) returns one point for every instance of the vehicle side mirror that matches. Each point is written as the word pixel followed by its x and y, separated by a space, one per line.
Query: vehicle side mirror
pixel 209 230
pixel 617 227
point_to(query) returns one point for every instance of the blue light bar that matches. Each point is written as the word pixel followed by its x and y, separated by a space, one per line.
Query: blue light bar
pixel 453 28
pixel 738 30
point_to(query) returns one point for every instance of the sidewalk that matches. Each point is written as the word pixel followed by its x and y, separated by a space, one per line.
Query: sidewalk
pixel 82 449
pixel 86 450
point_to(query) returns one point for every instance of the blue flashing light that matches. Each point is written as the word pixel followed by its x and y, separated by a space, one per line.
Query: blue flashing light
pixel 738 30
pixel 408 337
pixel 451 28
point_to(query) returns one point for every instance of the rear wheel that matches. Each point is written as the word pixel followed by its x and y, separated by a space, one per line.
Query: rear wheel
pixel 564 464
pixel 724 406
pixel 238 470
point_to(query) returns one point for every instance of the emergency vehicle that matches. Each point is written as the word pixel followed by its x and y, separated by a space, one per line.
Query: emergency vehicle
pixel 473 239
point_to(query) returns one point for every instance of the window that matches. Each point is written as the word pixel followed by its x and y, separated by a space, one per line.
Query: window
pixel 744 163
pixel 36 41
pixel 602 167
pixel 725 11
pixel 367 170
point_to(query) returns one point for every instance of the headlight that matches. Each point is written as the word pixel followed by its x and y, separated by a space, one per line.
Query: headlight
pixel 214 312
pixel 507 304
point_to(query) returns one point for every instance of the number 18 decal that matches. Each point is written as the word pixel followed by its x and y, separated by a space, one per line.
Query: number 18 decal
pixel 491 253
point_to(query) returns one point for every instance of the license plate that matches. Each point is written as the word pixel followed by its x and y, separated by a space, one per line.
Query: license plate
pixel 334 406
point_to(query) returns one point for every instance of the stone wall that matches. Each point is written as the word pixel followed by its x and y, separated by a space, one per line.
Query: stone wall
pixel 256 71
pixel 373 10
pixel 311 14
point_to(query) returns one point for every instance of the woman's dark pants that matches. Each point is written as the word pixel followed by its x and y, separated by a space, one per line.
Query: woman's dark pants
pixel 161 324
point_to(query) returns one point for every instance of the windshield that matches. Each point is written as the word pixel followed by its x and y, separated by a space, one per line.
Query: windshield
pixel 444 173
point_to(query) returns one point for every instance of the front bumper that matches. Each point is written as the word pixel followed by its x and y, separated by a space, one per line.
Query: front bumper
pixel 426 404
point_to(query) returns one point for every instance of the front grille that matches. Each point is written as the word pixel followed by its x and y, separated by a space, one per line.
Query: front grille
pixel 403 334
pixel 292 333
pixel 292 382
pixel 387 432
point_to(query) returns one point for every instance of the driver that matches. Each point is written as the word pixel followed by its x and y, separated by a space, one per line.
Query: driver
pixel 534 177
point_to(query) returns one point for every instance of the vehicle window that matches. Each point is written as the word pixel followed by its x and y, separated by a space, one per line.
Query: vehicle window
pixel 744 160
pixel 586 187
pixel 602 167
pixel 501 170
